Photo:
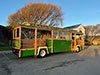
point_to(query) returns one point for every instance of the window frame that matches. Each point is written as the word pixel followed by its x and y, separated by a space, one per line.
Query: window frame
pixel 15 32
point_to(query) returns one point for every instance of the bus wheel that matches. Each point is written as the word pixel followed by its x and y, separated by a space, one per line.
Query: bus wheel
pixel 78 49
pixel 42 53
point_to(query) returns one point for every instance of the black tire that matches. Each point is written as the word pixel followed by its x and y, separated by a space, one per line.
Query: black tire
pixel 42 53
pixel 78 49
pixel 13 51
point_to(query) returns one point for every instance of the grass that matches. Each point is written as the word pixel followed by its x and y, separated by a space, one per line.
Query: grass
pixel 5 48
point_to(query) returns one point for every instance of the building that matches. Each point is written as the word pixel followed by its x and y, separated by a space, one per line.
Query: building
pixel 96 41
pixel 78 28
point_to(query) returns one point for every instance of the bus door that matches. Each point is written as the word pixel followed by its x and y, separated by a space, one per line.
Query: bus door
pixel 80 40
pixel 17 37
pixel 73 41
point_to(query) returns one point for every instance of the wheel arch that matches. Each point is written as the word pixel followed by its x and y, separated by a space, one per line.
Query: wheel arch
pixel 78 47
pixel 41 48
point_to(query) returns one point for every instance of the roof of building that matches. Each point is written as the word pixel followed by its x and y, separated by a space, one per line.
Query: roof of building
pixel 74 26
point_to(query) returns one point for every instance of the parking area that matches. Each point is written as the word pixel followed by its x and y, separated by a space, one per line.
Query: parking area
pixel 64 63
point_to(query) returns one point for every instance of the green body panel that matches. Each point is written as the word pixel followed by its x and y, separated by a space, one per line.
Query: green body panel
pixel 25 53
pixel 49 50
pixel 62 45
pixel 49 42
pixel 16 43
pixel 58 46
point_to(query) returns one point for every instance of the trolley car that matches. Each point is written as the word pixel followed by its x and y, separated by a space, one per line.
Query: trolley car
pixel 40 40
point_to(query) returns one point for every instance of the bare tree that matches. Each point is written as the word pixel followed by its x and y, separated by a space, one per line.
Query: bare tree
pixel 38 13
pixel 92 31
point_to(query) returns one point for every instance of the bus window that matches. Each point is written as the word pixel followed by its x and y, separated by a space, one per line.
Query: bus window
pixel 27 33
pixel 44 34
pixel 73 36
pixel 55 35
pixel 64 35
pixel 31 34
pixel 24 33
pixel 60 35
pixel 68 36
pixel 48 34
pixel 39 34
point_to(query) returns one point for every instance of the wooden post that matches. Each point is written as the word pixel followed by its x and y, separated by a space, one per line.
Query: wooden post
pixel 19 39
pixel 75 41
pixel 13 33
pixel 19 32
pixel 19 53
pixel 52 41
pixel 70 36
pixel 35 41
pixel 83 40
pixel 71 41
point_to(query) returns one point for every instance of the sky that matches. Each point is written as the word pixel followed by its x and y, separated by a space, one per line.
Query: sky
pixel 85 12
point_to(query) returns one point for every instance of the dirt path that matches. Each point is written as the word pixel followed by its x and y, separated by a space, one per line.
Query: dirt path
pixel 92 51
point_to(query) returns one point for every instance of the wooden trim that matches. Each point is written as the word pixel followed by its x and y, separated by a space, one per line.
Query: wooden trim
pixel 75 41
pixel 71 41
pixel 70 36
pixel 28 27
pixel 35 28
pixel 49 47
pixel 16 38
pixel 28 49
pixel 83 40
pixel 16 48
pixel 13 34
pixel 19 54
pixel 15 26
pixel 49 38
pixel 35 40
pixel 52 41
pixel 19 32
pixel 60 39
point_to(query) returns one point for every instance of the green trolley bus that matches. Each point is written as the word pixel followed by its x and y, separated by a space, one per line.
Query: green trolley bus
pixel 40 40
